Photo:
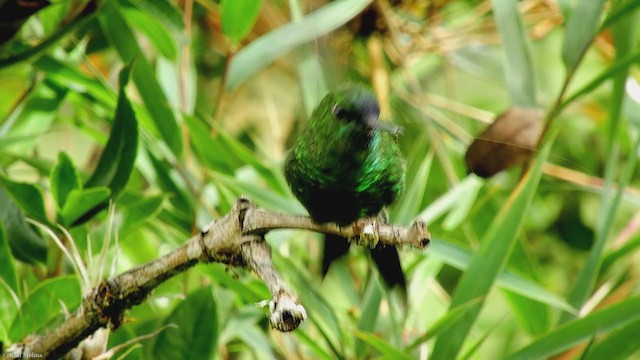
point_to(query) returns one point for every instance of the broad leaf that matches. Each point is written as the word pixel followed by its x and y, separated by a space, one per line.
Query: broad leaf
pixel 25 243
pixel 44 304
pixel 197 334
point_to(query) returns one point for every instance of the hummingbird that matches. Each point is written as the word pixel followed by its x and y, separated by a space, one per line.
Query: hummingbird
pixel 346 165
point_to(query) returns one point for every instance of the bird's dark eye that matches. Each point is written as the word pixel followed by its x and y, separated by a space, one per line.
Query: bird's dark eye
pixel 341 113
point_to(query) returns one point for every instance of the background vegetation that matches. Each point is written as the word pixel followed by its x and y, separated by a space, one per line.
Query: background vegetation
pixel 126 125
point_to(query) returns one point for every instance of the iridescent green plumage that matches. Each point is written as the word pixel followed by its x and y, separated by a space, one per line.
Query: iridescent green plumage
pixel 345 166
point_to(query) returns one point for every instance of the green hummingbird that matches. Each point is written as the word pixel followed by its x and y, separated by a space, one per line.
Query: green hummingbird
pixel 346 165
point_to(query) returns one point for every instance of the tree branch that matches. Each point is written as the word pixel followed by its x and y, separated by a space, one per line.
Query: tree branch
pixel 235 239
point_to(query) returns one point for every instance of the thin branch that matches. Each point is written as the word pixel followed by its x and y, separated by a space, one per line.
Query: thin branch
pixel 235 239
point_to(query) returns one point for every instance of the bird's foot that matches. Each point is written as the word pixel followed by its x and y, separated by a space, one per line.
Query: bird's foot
pixel 366 232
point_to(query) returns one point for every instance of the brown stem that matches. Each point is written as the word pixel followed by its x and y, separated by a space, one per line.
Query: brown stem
pixel 235 239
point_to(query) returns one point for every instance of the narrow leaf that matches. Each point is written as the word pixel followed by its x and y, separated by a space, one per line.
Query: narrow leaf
pixel 582 25
pixel 518 66
pixel 460 258
pixel 617 346
pixel 271 46
pixel 8 272
pixel 580 330
pixel 490 258
pixel 123 39
pixel 117 159
pixel 238 18
pixel 624 34
pixel 387 350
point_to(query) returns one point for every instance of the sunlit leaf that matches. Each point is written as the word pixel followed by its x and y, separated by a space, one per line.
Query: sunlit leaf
pixel 261 52
pixel 197 331
pixel 490 258
pixel 27 196
pixel 238 17
pixel 581 330
pixel 82 202
pixel 44 304
pixel 64 179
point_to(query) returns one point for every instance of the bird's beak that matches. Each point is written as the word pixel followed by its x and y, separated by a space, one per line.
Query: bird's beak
pixel 375 124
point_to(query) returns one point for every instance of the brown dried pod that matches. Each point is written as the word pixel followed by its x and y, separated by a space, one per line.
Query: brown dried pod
pixel 508 141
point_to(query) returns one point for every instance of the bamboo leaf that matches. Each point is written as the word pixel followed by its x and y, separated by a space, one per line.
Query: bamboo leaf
pixel 238 18
pixel 580 330
pixel 518 66
pixel 582 26
pixel 264 50
pixel 490 258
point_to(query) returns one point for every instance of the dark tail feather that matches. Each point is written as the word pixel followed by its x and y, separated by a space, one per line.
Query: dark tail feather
pixel 386 259
pixel 388 263
pixel 334 248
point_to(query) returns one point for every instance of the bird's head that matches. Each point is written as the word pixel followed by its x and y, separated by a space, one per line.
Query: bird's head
pixel 354 107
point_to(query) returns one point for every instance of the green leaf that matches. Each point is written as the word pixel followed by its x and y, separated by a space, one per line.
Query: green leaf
pixel 64 178
pixel 581 28
pixel 622 10
pixel 155 101
pixel 576 331
pixel 80 24
pixel 8 273
pixel 243 156
pixel 43 167
pixel 370 309
pixel 620 66
pixel 117 159
pixel 624 34
pixel 179 196
pixel 155 32
pixel 445 322
pixel 248 294
pixel 165 10
pixel 489 260
pixel 409 204
pixel 81 202
pixel 518 65
pixel 531 315
pixel 8 286
pixel 35 115
pixel 139 213
pixel 262 195
pixel 206 149
pixel 264 50
pixel 387 350
pixel 157 104
pixel 69 76
pixel 460 258
pixel 322 316
pixel 25 243
pixel 238 18
pixel 27 196
pixel 197 334
pixel 44 304
pixel 617 346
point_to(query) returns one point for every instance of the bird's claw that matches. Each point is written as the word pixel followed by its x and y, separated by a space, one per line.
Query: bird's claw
pixel 367 233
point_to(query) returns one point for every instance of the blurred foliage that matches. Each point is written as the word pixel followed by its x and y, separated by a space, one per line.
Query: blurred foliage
pixel 126 125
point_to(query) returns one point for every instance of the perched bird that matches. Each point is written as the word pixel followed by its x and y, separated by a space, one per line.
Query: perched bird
pixel 346 165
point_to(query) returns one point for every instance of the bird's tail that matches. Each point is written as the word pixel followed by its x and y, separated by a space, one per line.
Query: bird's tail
pixel 334 248
pixel 386 260
pixel 388 263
